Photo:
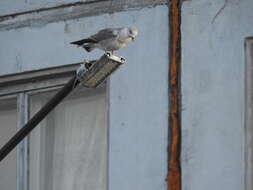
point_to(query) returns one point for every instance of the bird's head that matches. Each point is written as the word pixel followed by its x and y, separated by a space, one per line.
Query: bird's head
pixel 127 35
pixel 132 32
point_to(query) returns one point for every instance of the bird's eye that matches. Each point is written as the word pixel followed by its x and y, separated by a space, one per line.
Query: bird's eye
pixel 130 31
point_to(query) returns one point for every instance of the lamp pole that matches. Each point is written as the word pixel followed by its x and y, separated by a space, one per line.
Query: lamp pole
pixel 90 74
pixel 38 117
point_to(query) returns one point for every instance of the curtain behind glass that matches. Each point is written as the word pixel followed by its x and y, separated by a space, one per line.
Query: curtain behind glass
pixel 8 127
pixel 68 150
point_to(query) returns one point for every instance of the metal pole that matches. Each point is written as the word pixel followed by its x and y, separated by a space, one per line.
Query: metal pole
pixel 95 73
pixel 38 117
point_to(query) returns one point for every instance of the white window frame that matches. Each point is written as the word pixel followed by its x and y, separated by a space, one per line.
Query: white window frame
pixel 20 86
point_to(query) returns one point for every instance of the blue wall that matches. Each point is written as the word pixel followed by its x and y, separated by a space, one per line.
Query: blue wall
pixel 213 66
pixel 139 108
pixel 137 92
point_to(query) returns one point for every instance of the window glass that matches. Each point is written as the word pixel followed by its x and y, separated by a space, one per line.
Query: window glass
pixel 8 127
pixel 68 150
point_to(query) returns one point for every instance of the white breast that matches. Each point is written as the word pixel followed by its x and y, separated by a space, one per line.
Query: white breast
pixel 112 44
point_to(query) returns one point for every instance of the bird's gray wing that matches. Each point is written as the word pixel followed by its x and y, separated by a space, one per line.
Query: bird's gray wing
pixel 105 34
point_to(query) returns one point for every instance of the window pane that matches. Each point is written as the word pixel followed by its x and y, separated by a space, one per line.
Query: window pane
pixel 68 149
pixel 8 127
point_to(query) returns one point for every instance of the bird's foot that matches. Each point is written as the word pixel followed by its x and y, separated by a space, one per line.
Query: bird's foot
pixel 109 53
pixel 88 65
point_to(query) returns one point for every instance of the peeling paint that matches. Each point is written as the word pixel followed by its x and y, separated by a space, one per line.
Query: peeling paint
pixel 72 11
pixel 67 28
pixel 18 61
pixel 48 8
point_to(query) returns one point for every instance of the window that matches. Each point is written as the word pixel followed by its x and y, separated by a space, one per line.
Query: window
pixel 8 118
pixel 68 150
pixel 249 113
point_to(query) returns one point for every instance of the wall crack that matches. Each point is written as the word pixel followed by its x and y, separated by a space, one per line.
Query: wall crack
pixel 220 11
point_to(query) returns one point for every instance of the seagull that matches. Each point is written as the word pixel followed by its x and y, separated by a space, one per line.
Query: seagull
pixel 109 39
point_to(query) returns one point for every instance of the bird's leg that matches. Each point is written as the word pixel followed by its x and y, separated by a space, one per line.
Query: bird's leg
pixel 109 53
pixel 89 64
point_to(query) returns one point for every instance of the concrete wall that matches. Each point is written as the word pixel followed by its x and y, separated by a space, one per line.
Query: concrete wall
pixel 212 88
pixel 139 109
pixel 138 92
pixel 213 93
pixel 45 45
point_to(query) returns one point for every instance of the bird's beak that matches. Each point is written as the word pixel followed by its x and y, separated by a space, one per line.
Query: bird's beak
pixel 132 37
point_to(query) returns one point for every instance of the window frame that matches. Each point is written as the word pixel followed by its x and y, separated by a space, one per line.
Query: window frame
pixel 248 134
pixel 21 86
